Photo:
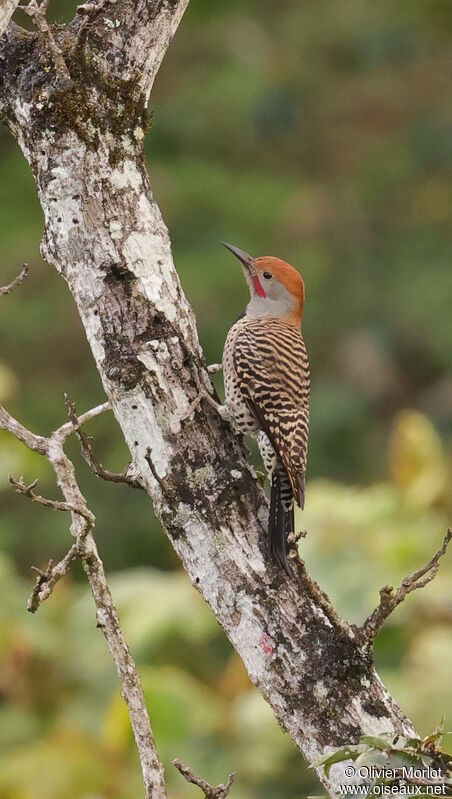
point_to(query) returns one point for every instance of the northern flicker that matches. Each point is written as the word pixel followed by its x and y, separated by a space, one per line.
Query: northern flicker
pixel 266 380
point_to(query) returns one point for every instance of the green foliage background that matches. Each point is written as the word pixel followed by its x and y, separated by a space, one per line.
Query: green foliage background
pixel 319 131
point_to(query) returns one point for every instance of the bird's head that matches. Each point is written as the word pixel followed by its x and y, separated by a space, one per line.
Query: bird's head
pixel 276 288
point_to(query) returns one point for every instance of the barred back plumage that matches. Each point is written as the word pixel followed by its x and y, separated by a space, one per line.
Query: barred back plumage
pixel 266 372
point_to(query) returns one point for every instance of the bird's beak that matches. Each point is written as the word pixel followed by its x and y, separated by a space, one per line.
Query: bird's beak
pixel 244 258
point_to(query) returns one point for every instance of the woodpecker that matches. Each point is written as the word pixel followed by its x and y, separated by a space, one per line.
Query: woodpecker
pixel 267 381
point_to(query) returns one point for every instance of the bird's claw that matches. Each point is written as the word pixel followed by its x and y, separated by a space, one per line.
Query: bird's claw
pixel 214 368
pixel 220 409
pixel 203 393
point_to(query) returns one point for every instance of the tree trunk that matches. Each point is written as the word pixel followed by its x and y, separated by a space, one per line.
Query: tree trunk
pixel 82 133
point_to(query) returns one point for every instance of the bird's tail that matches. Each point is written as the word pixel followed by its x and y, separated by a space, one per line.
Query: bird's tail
pixel 281 520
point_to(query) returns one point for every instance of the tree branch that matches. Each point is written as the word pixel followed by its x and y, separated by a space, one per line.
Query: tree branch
pixel 47 580
pixel 37 10
pixel 389 599
pixel 31 440
pixel 16 282
pixel 220 792
pixel 73 425
pixel 7 9
pixel 85 547
pixel 137 32
pixel 27 491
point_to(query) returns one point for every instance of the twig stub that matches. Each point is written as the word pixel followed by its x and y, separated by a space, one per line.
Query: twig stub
pixel 166 488
pixel 47 580
pixel 88 456
pixel 16 282
pixel 220 792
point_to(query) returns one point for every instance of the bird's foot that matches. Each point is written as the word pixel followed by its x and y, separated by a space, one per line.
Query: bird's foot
pixel 293 538
pixel 203 393
pixel 214 368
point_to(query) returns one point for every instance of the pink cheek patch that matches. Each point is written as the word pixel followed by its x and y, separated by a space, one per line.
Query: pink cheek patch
pixel 257 287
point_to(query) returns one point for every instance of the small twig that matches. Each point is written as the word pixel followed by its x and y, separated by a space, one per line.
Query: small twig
pixel 88 454
pixel 220 792
pixel 66 429
pixel 166 489
pixel 16 282
pixel 46 580
pixel 27 491
pixel 389 599
pixel 37 11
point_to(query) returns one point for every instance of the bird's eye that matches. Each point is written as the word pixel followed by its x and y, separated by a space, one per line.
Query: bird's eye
pixel 267 276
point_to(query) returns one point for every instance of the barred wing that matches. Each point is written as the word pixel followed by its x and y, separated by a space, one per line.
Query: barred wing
pixel 272 369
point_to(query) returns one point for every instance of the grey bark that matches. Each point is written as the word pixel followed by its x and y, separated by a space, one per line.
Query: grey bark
pixel 104 234
pixel 7 9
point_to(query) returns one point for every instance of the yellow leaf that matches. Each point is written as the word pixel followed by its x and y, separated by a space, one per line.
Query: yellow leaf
pixel 116 729
pixel 417 459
